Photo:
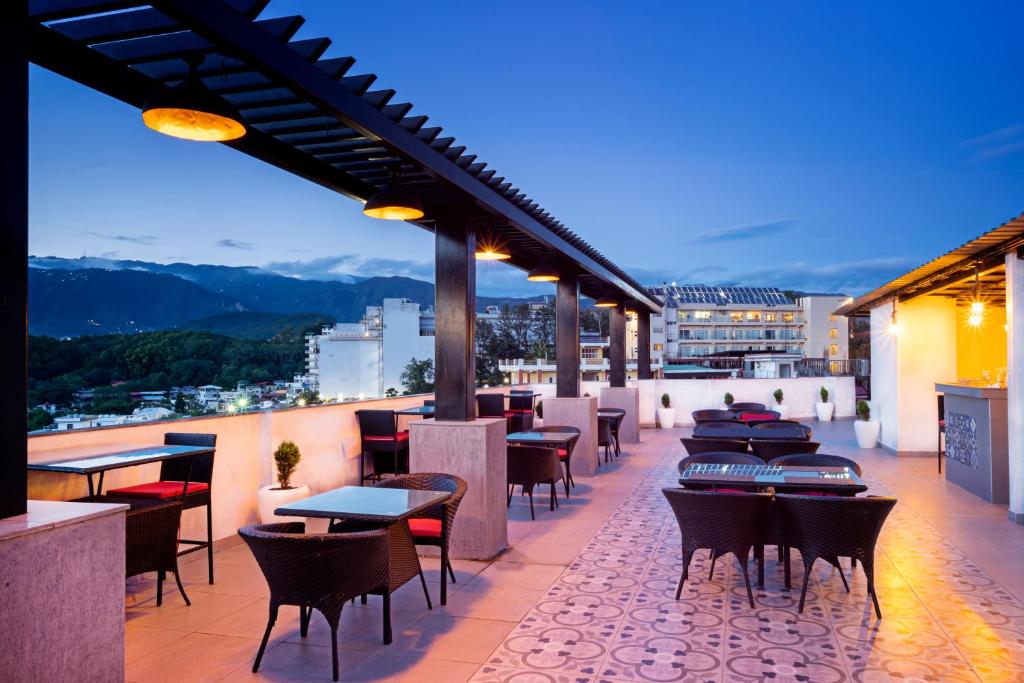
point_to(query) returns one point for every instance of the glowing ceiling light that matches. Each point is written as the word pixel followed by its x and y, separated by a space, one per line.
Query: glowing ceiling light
pixel 542 272
pixel 606 302
pixel 394 204
pixel 974 320
pixel 191 112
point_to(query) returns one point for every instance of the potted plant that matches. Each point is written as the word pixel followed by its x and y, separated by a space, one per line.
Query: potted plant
pixel 666 413
pixel 729 400
pixel 269 498
pixel 778 407
pixel 865 428
pixel 824 408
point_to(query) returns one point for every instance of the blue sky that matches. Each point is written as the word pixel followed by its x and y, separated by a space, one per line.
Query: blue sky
pixel 806 145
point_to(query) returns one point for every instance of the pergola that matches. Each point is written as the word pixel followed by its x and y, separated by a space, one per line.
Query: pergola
pixel 318 119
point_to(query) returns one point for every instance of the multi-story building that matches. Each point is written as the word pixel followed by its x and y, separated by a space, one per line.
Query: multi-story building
pixel 594 363
pixel 827 335
pixel 365 359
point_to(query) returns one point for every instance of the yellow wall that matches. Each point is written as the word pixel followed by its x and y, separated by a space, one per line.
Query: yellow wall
pixel 980 348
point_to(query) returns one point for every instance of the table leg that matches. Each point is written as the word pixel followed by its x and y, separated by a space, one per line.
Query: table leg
pixel 444 556
pixel 92 491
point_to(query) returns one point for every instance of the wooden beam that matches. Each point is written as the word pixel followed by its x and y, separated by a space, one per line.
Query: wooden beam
pixel 455 308
pixel 567 336
pixel 643 344
pixel 14 257
pixel 617 346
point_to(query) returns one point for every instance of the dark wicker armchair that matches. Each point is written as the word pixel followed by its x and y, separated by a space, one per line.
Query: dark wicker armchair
pixel 318 571
pixel 521 408
pixel 529 466
pixel 434 526
pixel 753 417
pixel 564 454
pixel 379 437
pixel 817 460
pixel 694 445
pixel 198 472
pixel 748 407
pixel 722 522
pixel 616 415
pixel 151 541
pixel 702 416
pixel 605 437
pixel 770 449
pixel 832 527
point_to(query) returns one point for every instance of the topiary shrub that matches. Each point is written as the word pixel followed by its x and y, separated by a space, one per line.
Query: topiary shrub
pixel 824 395
pixel 729 399
pixel 666 402
pixel 863 410
pixel 286 458
pixel 778 396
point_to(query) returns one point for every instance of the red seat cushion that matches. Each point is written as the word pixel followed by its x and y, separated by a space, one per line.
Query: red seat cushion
pixel 520 411
pixel 159 489
pixel 401 436
pixel 510 413
pixel 942 423
pixel 757 416
pixel 425 528
pixel 563 453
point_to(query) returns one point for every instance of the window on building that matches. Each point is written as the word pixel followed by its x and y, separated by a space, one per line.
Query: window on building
pixel 753 316
pixel 831 318
pixel 659 347
pixel 683 315
pixel 787 317
pixel 590 352
pixel 702 315
pixel 736 316
pixel 833 349
pixel 769 317
pixel 833 333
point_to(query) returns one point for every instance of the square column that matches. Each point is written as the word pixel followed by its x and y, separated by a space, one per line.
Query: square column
pixel 643 344
pixel 617 346
pixel 455 309
pixel 628 399
pixel 1015 381
pixel 567 336
pixel 476 452
pixel 580 413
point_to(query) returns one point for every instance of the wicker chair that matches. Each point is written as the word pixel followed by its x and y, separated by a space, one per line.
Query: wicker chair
pixel 748 407
pixel 379 437
pixel 318 571
pixel 151 540
pixel 616 416
pixel 605 437
pixel 521 407
pixel 564 454
pixel 724 423
pixel 198 472
pixel 833 527
pixel 529 466
pixel 782 424
pixel 719 458
pixel 722 522
pixel 817 460
pixel 752 417
pixel 433 527
pixel 770 449
pixel 702 416
pixel 694 446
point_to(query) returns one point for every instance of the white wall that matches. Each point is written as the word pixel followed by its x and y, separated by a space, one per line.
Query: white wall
pixel 818 323
pixel 1015 381
pixel 350 368
pixel 402 340
pixel 884 376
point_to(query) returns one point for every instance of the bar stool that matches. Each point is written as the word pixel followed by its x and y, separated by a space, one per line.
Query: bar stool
pixel 379 436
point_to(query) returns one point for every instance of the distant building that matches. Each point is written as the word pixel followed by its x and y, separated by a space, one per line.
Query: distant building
pixel 365 359
pixel 594 363
pixel 827 335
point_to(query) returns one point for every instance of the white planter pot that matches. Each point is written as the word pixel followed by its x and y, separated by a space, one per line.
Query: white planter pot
pixel 666 418
pixel 269 498
pixel 824 411
pixel 867 433
pixel 781 409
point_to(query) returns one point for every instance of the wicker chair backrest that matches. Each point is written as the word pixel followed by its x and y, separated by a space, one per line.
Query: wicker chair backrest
pixel 490 405
pixel 376 422
pixel 178 468
pixel 834 526
pixel 770 449
pixel 701 416
pixel 748 407
pixel 432 481
pixel 817 460
pixel 694 446
pixel 720 521
pixel 529 465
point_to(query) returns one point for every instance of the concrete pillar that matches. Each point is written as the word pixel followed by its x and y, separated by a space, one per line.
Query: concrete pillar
pixel 476 452
pixel 643 344
pixel 617 346
pixel 567 336
pixel 455 309
pixel 580 413
pixel 628 399
pixel 1015 381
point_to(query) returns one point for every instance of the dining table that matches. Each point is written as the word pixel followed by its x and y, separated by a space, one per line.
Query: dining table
pixel 542 439
pixel 795 432
pixel 104 462
pixel 365 507
pixel 417 411
pixel 791 478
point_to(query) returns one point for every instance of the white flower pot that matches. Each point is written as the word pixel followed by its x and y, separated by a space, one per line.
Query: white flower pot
pixel 867 433
pixel 781 409
pixel 269 498
pixel 666 418
pixel 824 411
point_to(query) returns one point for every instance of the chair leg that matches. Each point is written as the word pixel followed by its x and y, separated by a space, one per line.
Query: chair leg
pixel 685 575
pixel 511 490
pixel 565 480
pixel 711 574
pixel 532 515
pixel 362 598
pixel 266 637
pixel 842 575
pixel 451 572
pixel 869 571
pixel 746 578
pixel 807 577
pixel 304 615
pixel 426 593
pixel 181 589
pixel 334 651
pixel 209 537
pixel 786 573
pixel 759 558
pixel 160 588
pixel 387 617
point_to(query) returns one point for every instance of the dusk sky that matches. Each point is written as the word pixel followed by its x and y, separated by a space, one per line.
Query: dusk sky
pixel 818 146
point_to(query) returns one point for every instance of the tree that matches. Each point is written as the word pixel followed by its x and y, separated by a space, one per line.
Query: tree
pixel 180 406
pixel 38 419
pixel 487 354
pixel 418 376
pixel 308 397
pixel 390 392
pixel 543 329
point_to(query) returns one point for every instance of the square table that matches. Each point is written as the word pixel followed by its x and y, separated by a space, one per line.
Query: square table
pixel 745 433
pixel 422 411
pixel 796 478
pixel 368 507
pixel 111 461
pixel 543 439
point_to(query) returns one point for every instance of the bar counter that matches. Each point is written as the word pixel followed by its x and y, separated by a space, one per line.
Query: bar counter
pixel 977 452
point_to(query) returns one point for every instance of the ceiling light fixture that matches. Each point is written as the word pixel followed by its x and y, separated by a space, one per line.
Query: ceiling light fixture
pixel 606 302
pixel 190 111
pixel 542 272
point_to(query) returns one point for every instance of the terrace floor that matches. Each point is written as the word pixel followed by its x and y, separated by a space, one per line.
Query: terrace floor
pixel 586 594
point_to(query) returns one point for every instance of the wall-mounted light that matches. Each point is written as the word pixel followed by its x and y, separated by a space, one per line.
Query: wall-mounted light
pixel 606 302
pixel 894 325
pixel 191 112
pixel 975 318
pixel 542 272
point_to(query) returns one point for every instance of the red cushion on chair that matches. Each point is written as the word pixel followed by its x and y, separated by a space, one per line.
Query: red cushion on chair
pixel 510 413
pixel 425 528
pixel 942 423
pixel 159 489
pixel 520 411
pixel 401 436
pixel 563 453
pixel 757 416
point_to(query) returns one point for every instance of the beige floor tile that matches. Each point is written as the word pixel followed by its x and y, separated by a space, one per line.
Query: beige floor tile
pixel 175 615
pixel 517 575
pixel 198 657
pixel 535 550
pixel 409 667
pixel 286 662
pixel 229 579
pixel 485 602
pixel 140 641
pixel 456 638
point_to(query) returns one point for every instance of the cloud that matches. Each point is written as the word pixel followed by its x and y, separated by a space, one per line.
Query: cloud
pixel 143 240
pixel 742 232
pixel 1000 142
pixel 341 268
pixel 656 276
pixel 846 277
pixel 110 254
pixel 229 243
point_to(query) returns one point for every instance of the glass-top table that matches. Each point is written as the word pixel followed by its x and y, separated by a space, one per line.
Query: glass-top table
pixel 550 439
pixel 795 432
pixel 523 394
pixel 364 503
pixel 111 461
pixel 423 411
pixel 842 480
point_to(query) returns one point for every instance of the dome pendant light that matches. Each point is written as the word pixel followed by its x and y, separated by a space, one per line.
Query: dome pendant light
pixel 542 272
pixel 191 112
pixel 606 302
pixel 394 204
pixel 489 248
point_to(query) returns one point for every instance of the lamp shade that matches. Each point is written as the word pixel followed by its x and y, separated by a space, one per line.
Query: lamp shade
pixel 606 302
pixel 191 112
pixel 542 272
pixel 492 252
pixel 394 204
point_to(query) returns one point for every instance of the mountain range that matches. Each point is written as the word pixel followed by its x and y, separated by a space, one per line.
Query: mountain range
pixel 74 297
